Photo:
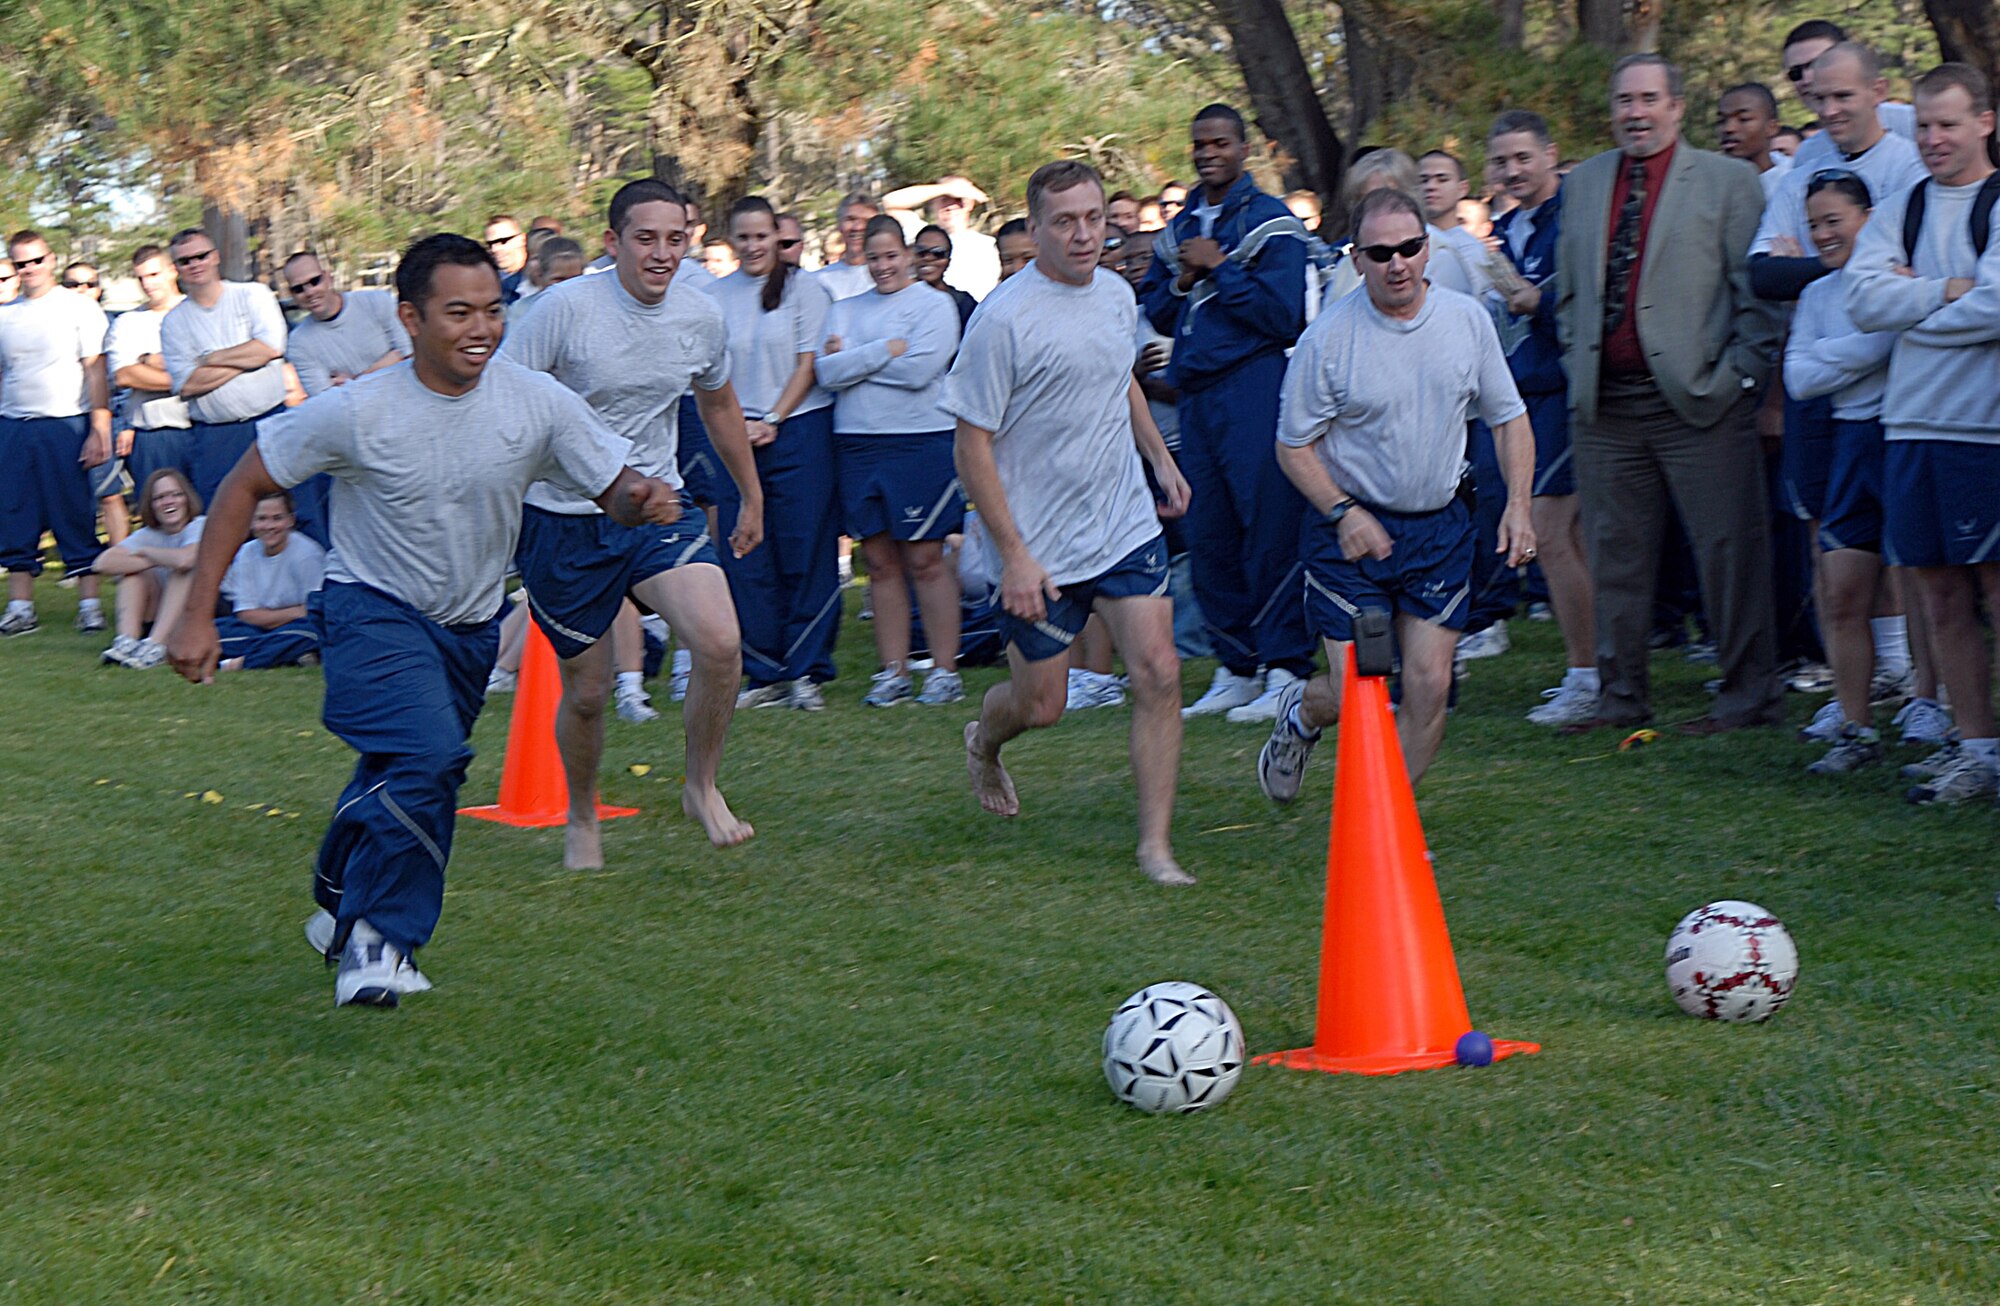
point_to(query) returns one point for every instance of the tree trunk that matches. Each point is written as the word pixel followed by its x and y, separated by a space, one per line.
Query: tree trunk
pixel 1968 31
pixel 1282 98
pixel 1602 23
pixel 1377 74
pixel 1513 16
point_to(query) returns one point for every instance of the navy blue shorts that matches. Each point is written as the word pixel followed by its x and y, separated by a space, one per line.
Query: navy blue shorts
pixel 903 486
pixel 108 478
pixel 217 448
pixel 578 569
pixel 1142 573
pixel 1941 503
pixel 1428 575
pixel 699 465
pixel 167 446
pixel 1555 470
pixel 44 488
pixel 1807 455
pixel 1852 518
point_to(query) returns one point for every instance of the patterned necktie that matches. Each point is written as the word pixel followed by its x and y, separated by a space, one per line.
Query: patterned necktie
pixel 1624 247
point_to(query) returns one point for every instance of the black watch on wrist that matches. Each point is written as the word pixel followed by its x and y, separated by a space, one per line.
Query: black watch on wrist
pixel 1339 510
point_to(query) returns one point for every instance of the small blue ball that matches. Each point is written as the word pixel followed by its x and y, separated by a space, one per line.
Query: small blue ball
pixel 1474 1049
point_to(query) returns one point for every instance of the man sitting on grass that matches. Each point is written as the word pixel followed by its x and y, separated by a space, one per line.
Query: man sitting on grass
pixel 267 586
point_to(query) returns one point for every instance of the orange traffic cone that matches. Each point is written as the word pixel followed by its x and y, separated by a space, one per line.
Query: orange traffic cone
pixel 1389 995
pixel 533 791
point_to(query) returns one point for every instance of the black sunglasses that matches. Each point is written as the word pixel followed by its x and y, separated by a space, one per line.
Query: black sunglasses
pixel 308 283
pixel 1114 244
pixel 931 251
pixel 793 243
pixel 1797 72
pixel 496 242
pixel 1383 253
pixel 189 260
pixel 79 285
pixel 34 262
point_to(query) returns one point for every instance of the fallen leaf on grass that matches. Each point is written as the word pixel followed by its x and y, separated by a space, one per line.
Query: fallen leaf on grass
pixel 640 768
pixel 211 797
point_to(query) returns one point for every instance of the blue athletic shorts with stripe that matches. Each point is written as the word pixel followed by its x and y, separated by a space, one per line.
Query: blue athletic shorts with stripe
pixel 1852 516
pixel 1941 501
pixel 1427 575
pixel 1806 456
pixel 107 478
pixel 699 465
pixel 1555 470
pixel 903 486
pixel 1142 573
pixel 578 569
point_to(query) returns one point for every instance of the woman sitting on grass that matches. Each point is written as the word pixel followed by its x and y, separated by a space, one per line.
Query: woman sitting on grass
pixel 154 565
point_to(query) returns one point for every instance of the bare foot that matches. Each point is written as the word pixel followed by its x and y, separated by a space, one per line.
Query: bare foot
pixel 1162 869
pixel 991 784
pixel 707 807
pixel 583 845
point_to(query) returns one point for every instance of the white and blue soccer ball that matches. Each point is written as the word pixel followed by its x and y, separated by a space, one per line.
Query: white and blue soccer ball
pixel 1731 960
pixel 1173 1047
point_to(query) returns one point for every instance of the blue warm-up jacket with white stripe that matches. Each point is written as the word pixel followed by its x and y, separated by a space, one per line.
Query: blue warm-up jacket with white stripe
pixel 1253 304
pixel 1536 359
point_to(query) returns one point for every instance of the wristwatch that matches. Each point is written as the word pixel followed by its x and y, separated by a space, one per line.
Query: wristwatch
pixel 1339 510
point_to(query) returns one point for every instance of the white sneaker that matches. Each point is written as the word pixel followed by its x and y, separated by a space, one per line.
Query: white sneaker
pixel 19 621
pixel 806 696
pixel 683 669
pixel 1089 689
pixel 1488 643
pixel 1228 690
pixel 1811 678
pixel 147 656
pixel 1826 725
pixel 1968 776
pixel 121 648
pixel 319 931
pixel 1568 705
pixel 501 681
pixel 772 695
pixel 888 688
pixel 1540 611
pixel 1264 707
pixel 634 706
pixel 1892 685
pixel 373 971
pixel 1924 721
pixel 1281 765
pixel 942 687
pixel 89 621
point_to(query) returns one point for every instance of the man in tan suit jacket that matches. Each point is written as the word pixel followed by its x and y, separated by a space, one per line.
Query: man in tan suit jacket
pixel 1666 349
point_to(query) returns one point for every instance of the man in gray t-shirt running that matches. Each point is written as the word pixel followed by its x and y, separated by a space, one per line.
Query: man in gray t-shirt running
pixel 1371 428
pixel 1051 429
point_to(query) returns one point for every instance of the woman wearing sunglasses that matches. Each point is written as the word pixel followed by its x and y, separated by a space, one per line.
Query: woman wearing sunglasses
pixel 932 252
pixel 788 591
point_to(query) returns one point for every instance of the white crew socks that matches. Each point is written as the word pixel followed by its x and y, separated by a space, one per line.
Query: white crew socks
pixel 631 682
pixel 23 606
pixel 91 605
pixel 1584 678
pixel 1892 643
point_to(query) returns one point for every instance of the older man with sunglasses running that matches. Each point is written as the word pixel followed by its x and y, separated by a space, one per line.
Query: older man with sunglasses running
pixel 1376 444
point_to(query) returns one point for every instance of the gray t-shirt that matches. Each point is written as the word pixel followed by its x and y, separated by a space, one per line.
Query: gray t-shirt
pixel 274 580
pixel 246 311
pixel 152 537
pixel 1386 401
pixel 134 335
pixel 43 343
pixel 350 341
pixel 1047 367
pixel 877 394
pixel 845 280
pixel 1890 165
pixel 630 361
pixel 764 348
pixel 427 488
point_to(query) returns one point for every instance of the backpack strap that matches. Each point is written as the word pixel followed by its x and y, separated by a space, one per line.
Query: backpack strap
pixel 1913 221
pixel 1982 214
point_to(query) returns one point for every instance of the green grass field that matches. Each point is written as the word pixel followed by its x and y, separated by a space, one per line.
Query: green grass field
pixel 858 1060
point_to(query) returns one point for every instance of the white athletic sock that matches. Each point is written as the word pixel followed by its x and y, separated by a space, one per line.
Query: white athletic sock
pixel 683 661
pixel 1298 726
pixel 20 605
pixel 91 605
pixel 1583 678
pixel 1986 750
pixel 631 682
pixel 1892 642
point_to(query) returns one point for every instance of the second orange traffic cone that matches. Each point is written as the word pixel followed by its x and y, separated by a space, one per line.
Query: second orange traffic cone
pixel 1389 994
pixel 533 790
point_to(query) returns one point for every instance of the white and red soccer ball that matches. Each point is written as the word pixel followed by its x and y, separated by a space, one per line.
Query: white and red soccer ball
pixel 1731 960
